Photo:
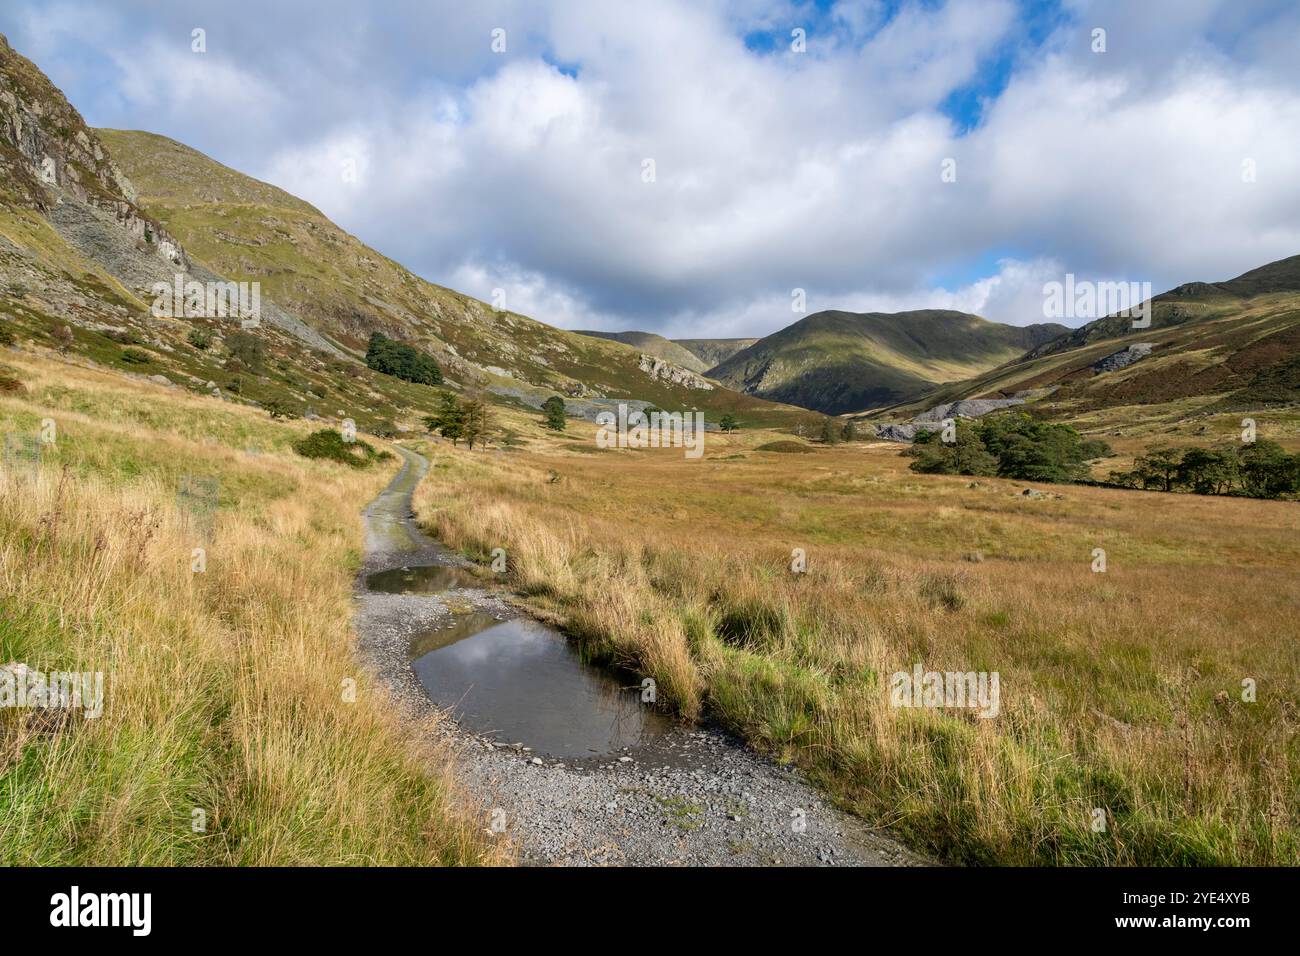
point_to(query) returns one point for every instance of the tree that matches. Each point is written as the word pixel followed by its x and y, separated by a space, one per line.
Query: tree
pixel 1030 450
pixel 1206 472
pixel 553 407
pixel 248 350
pixel 479 422
pixel 448 419
pixel 1157 469
pixel 1267 471
pixel 849 432
pixel 964 456
pixel 401 361
pixel 830 432
pixel 728 423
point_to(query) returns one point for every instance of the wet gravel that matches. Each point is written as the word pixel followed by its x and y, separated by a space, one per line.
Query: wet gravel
pixel 695 796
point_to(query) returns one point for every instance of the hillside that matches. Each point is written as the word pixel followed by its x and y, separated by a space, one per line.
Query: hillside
pixel 837 362
pixel 713 352
pixel 91 221
pixel 345 290
pixel 655 345
pixel 1222 346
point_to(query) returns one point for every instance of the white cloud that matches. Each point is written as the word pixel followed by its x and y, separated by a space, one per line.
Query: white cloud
pixel 774 170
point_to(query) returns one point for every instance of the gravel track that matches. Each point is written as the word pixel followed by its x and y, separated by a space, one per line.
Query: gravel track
pixel 695 797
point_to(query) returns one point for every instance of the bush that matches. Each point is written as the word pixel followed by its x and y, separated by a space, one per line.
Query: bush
pixel 6 336
pixel 401 361
pixel 279 408
pixel 787 447
pixel 201 339
pixel 328 443
pixel 136 356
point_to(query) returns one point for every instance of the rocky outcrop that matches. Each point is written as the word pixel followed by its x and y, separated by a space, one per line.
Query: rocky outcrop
pixel 55 158
pixel 967 408
pixel 657 368
pixel 1124 357
pixel 932 419
pixel 905 432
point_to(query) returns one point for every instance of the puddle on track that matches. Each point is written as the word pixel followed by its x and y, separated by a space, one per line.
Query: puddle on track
pixel 521 681
pixel 421 579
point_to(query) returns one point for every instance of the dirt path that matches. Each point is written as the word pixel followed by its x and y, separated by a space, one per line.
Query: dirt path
pixel 695 796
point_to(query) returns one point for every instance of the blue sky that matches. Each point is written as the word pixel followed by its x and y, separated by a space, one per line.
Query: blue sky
pixel 522 169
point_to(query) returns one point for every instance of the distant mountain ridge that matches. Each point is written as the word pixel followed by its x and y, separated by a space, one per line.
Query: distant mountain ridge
pixel 837 362
pixel 713 352
pixel 656 345
pixel 1229 345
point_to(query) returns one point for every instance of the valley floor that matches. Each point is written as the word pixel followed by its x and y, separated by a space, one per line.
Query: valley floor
pixel 1147 712
pixel 695 797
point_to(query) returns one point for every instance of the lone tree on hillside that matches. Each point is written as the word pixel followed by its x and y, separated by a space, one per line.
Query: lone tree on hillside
pixel 728 423
pixel 449 418
pixel 479 421
pixel 554 409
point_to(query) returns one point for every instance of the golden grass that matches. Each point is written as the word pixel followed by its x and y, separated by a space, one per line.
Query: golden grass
pixel 226 691
pixel 1121 693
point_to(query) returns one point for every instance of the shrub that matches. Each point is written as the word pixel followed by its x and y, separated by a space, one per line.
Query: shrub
pixel 136 356
pixel 279 408
pixel 328 443
pixel 201 339
pixel 6 336
pixel 787 447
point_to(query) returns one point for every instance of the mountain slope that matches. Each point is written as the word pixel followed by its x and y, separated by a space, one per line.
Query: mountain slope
pixel 838 362
pixel 1231 345
pixel 655 345
pixel 344 290
pixel 713 352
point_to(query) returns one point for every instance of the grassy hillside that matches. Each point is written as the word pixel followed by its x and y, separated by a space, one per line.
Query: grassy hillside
pixel 713 352
pixel 1212 350
pixel 224 691
pixel 1120 691
pixel 838 362
pixel 653 344
pixel 342 288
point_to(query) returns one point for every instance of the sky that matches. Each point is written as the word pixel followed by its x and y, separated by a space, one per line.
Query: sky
pixel 683 167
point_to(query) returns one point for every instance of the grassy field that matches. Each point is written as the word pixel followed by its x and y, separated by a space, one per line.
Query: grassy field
pixel 1123 736
pixel 231 731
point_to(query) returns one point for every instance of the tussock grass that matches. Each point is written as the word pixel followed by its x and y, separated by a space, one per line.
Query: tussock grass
pixel 1119 691
pixel 225 691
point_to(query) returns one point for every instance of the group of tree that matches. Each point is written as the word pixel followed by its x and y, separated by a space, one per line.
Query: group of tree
pixel 456 419
pixel 1011 445
pixel 1258 469
pixel 401 361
